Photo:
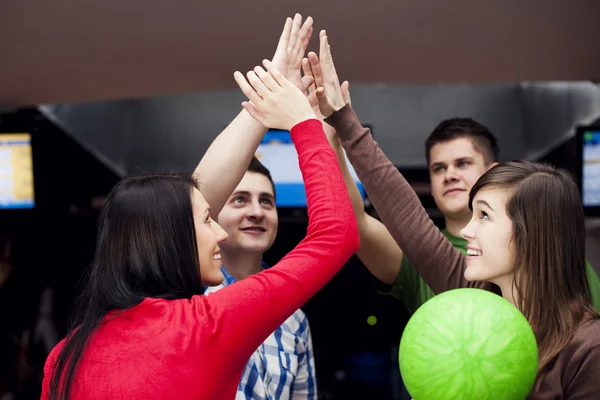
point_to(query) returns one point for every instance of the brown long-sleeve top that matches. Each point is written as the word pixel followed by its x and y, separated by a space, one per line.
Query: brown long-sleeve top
pixel 575 373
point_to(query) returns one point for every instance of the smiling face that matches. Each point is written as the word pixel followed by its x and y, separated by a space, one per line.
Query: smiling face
pixel 489 235
pixel 250 217
pixel 208 236
pixel 454 167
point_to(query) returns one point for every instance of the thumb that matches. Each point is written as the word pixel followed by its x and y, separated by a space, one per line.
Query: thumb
pixel 322 97
pixel 307 80
pixel 346 92
pixel 324 106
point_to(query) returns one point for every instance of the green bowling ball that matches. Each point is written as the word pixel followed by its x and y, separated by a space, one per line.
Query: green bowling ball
pixel 468 344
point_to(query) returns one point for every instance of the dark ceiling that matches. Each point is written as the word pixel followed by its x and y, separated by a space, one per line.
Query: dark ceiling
pixel 63 51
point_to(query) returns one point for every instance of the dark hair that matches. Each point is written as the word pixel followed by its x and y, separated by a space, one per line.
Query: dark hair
pixel 146 247
pixel 259 168
pixel 454 128
pixel 549 236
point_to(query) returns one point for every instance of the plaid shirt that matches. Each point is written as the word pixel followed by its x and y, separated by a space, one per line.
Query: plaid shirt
pixel 283 367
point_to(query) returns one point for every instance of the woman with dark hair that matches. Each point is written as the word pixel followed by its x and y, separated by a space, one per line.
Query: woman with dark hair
pixel 525 242
pixel 145 330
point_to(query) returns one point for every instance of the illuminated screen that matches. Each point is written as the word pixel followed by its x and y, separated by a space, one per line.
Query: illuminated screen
pixel 16 171
pixel 278 154
pixel 590 182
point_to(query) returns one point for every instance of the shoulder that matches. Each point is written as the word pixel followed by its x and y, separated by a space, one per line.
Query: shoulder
pixel 581 361
pixel 585 343
pixel 52 357
pixel 588 334
pixel 297 323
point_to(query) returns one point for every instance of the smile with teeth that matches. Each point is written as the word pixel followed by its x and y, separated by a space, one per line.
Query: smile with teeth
pixel 472 252
pixel 217 256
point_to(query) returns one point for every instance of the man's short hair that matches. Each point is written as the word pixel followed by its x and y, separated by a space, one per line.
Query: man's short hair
pixel 454 128
pixel 257 167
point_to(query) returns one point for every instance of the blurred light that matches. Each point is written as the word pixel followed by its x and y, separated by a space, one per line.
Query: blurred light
pixel 372 320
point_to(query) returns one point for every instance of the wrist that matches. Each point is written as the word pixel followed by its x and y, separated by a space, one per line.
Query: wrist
pixel 305 117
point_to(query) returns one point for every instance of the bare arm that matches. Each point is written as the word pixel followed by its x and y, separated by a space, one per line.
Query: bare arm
pixel 227 159
pixel 432 255
pixel 378 250
pixel 264 300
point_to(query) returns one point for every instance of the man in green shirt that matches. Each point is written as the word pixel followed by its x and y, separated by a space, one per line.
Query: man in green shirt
pixel 458 152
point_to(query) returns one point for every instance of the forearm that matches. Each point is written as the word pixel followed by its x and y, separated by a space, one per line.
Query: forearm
pixel 399 207
pixel 266 299
pixel 227 159
pixel 358 205
pixel 378 251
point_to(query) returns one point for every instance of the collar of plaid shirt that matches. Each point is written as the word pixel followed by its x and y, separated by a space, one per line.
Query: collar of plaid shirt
pixel 283 365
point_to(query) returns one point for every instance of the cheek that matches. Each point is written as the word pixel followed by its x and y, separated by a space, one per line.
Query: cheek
pixel 204 236
pixel 437 185
pixel 471 177
pixel 273 219
pixel 502 249
pixel 229 221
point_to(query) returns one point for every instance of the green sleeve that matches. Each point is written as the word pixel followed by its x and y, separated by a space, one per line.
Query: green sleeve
pixel 594 284
pixel 409 288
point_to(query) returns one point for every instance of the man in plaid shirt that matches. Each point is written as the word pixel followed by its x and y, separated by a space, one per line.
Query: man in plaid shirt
pixel 283 366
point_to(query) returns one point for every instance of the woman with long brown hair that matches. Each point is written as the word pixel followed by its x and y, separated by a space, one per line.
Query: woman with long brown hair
pixel 525 242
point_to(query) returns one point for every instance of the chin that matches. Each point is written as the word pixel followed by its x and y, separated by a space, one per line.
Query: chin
pixel 214 279
pixel 475 273
pixel 456 211
pixel 255 247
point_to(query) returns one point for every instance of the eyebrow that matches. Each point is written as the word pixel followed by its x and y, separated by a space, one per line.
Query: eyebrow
pixel 247 193
pixel 485 203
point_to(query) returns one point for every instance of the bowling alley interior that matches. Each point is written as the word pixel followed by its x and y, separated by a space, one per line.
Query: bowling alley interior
pixel 95 94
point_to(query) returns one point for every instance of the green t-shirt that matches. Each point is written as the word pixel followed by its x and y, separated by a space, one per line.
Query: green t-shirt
pixel 412 290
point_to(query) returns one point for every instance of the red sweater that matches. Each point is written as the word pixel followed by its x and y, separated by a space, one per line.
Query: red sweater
pixel 197 348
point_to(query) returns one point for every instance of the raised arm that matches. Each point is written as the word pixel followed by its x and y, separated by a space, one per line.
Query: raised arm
pixel 227 159
pixel 261 302
pixel 378 250
pixel 433 256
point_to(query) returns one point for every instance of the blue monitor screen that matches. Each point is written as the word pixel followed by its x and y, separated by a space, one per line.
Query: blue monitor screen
pixel 277 153
pixel 16 171
pixel 590 182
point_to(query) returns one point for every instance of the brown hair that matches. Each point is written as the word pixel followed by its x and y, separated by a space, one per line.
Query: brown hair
pixel 258 167
pixel 455 128
pixel 549 236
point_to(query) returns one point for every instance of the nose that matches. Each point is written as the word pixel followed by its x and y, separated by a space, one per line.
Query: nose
pixel 468 231
pixel 451 175
pixel 256 212
pixel 220 233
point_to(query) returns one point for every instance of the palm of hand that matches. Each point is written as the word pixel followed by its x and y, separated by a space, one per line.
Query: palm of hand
pixel 290 71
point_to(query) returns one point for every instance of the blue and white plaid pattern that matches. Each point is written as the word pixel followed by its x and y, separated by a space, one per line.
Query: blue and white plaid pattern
pixel 283 367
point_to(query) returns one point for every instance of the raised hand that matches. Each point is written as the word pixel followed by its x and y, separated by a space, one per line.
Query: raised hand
pixel 291 48
pixel 312 95
pixel 274 101
pixel 328 89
